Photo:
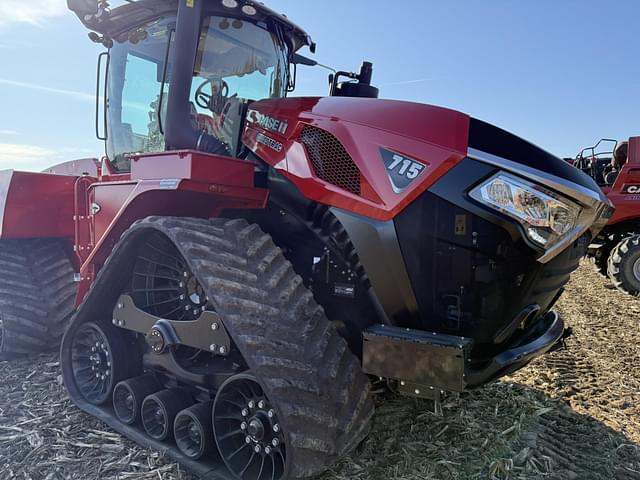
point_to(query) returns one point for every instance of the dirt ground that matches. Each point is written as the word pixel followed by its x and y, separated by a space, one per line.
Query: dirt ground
pixel 572 415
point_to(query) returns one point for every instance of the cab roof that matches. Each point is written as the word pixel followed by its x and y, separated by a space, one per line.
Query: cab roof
pixel 121 16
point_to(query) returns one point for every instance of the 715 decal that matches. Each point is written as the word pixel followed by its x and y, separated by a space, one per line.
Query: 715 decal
pixel 402 170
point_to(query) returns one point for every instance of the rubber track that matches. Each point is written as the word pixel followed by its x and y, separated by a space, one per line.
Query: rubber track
pixel 304 365
pixel 37 295
pixel 329 228
pixel 614 268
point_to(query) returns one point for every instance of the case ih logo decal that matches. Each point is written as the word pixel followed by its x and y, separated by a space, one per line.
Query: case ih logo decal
pixel 402 171
pixel 267 122
pixel 631 189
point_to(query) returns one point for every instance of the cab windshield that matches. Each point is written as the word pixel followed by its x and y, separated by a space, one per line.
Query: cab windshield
pixel 236 62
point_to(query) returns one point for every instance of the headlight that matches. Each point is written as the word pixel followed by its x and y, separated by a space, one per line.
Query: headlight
pixel 545 216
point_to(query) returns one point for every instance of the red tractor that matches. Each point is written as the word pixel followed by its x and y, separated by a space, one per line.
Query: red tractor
pixel 247 261
pixel 615 252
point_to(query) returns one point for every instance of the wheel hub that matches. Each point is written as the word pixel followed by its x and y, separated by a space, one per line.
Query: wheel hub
pixel 194 433
pixel 194 291
pixel 159 415
pixel 256 429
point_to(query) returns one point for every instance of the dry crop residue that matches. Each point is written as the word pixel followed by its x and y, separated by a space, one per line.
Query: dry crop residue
pixel 571 415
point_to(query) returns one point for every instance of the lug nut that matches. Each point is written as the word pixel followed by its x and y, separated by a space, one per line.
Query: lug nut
pixel 261 404
pixel 243 426
pixel 214 326
pixel 271 413
pixel 182 297
pixel 223 350
pixel 245 412
pixel 252 404
pixel 257 449
pixel 247 439
pixel 276 428
pixel 267 450
pixel 213 347
pixel 185 274
pixel 275 442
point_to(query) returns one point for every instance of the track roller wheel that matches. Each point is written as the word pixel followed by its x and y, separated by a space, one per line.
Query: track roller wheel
pixel 248 433
pixel 128 396
pixel 96 354
pixel 192 431
pixel 159 411
pixel 624 265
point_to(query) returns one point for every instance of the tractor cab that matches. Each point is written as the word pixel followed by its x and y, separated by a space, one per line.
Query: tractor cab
pixel 180 75
pixel 604 161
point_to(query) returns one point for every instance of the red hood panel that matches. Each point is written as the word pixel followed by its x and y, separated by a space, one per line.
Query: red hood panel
pixel 434 136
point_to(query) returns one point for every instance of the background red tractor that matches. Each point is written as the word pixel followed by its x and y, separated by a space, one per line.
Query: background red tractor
pixel 615 166
pixel 247 261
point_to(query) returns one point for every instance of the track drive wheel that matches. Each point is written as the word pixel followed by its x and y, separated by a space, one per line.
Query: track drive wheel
pixel 97 361
pixel 248 434
pixel 624 265
pixel 37 295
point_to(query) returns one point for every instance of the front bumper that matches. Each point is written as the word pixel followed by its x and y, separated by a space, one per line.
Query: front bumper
pixel 428 361
pixel 514 358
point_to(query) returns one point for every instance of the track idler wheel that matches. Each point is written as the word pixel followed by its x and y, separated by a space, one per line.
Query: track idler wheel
pixel 159 411
pixel 192 431
pixel 248 434
pixel 96 361
pixel 128 396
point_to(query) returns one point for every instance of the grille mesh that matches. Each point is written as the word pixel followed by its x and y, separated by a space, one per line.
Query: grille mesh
pixel 330 160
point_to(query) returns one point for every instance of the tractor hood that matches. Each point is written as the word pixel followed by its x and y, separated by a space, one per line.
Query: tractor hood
pixel 320 140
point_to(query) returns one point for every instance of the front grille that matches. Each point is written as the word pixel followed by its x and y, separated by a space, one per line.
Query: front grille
pixel 330 160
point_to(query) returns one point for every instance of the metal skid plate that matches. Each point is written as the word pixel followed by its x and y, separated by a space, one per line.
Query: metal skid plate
pixel 207 332
pixel 416 357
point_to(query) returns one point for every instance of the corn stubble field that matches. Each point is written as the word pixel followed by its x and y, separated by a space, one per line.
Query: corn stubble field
pixel 574 414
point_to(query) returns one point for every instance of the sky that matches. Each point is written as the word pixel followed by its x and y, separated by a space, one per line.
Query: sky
pixel 560 73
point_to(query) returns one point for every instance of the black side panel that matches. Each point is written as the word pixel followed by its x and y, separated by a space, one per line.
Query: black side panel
pixel 494 140
pixel 379 251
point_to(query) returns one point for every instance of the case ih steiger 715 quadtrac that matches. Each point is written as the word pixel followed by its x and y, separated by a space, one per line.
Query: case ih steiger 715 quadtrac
pixel 616 169
pixel 246 260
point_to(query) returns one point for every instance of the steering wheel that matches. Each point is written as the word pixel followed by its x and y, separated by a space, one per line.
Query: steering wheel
pixel 218 97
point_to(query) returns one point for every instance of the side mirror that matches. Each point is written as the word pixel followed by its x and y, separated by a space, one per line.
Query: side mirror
pixel 298 59
pixel 83 7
